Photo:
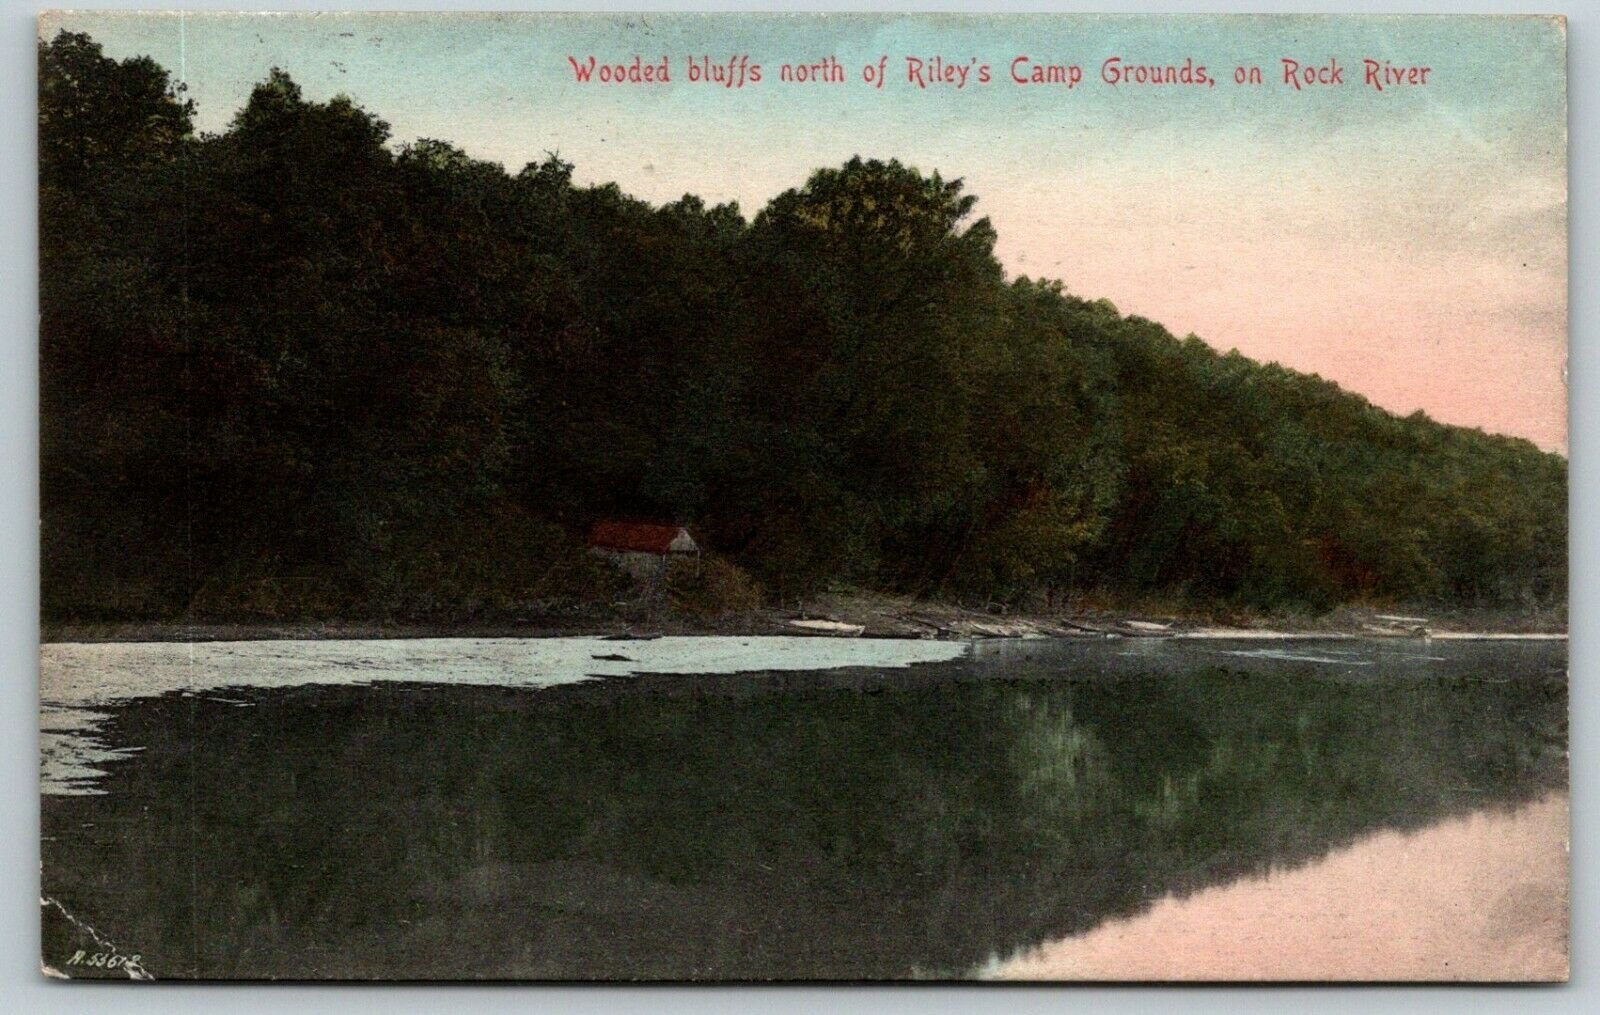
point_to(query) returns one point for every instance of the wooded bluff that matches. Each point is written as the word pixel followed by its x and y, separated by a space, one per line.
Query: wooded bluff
pixel 293 370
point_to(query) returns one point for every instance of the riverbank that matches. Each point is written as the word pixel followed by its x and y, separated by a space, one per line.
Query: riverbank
pixel 870 615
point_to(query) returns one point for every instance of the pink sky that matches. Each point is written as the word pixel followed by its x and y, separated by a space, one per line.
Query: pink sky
pixel 1434 296
pixel 1478 898
pixel 1410 245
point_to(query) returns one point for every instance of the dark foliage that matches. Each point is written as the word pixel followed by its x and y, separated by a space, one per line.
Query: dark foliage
pixel 291 361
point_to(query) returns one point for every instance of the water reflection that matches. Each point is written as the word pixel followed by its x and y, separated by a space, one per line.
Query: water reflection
pixel 841 824
pixel 1481 897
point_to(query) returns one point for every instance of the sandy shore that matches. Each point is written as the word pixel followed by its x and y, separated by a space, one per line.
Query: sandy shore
pixel 1479 898
pixel 877 615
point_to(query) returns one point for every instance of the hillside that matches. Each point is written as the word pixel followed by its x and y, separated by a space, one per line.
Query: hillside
pixel 297 371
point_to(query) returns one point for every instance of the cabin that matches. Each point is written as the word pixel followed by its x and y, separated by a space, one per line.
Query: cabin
pixel 642 548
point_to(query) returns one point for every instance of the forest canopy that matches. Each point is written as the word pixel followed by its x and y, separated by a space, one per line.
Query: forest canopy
pixel 296 369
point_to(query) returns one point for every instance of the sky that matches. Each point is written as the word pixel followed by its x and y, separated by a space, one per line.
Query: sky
pixel 1409 244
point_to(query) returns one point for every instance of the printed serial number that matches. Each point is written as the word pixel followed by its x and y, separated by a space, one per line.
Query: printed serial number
pixel 102 960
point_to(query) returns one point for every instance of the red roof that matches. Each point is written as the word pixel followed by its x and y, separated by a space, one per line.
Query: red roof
pixel 635 537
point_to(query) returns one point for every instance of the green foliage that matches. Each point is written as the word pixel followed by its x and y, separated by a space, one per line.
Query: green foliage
pixel 95 112
pixel 710 587
pixel 293 349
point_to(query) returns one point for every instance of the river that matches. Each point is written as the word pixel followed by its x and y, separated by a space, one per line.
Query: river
pixel 799 808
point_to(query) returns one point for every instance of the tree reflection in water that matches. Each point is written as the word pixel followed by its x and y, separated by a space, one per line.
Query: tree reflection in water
pixel 841 825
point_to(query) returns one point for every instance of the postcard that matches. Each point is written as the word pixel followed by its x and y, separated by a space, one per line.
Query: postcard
pixel 829 498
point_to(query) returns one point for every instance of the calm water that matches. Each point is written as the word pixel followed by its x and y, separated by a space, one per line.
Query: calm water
pixel 331 810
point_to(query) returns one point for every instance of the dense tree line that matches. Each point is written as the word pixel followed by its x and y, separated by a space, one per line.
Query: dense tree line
pixel 293 368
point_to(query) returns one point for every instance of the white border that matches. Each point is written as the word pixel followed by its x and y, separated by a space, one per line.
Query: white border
pixel 23 989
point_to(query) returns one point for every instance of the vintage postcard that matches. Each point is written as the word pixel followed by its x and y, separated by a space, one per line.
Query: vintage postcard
pixel 832 497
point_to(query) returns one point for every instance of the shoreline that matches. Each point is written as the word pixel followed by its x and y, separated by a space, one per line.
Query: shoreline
pixel 859 615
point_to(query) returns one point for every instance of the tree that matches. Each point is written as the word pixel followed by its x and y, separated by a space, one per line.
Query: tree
pixel 373 379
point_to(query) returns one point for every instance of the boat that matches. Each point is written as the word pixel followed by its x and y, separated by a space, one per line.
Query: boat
pixel 837 628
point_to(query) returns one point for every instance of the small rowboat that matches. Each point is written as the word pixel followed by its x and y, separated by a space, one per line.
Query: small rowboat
pixel 837 628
